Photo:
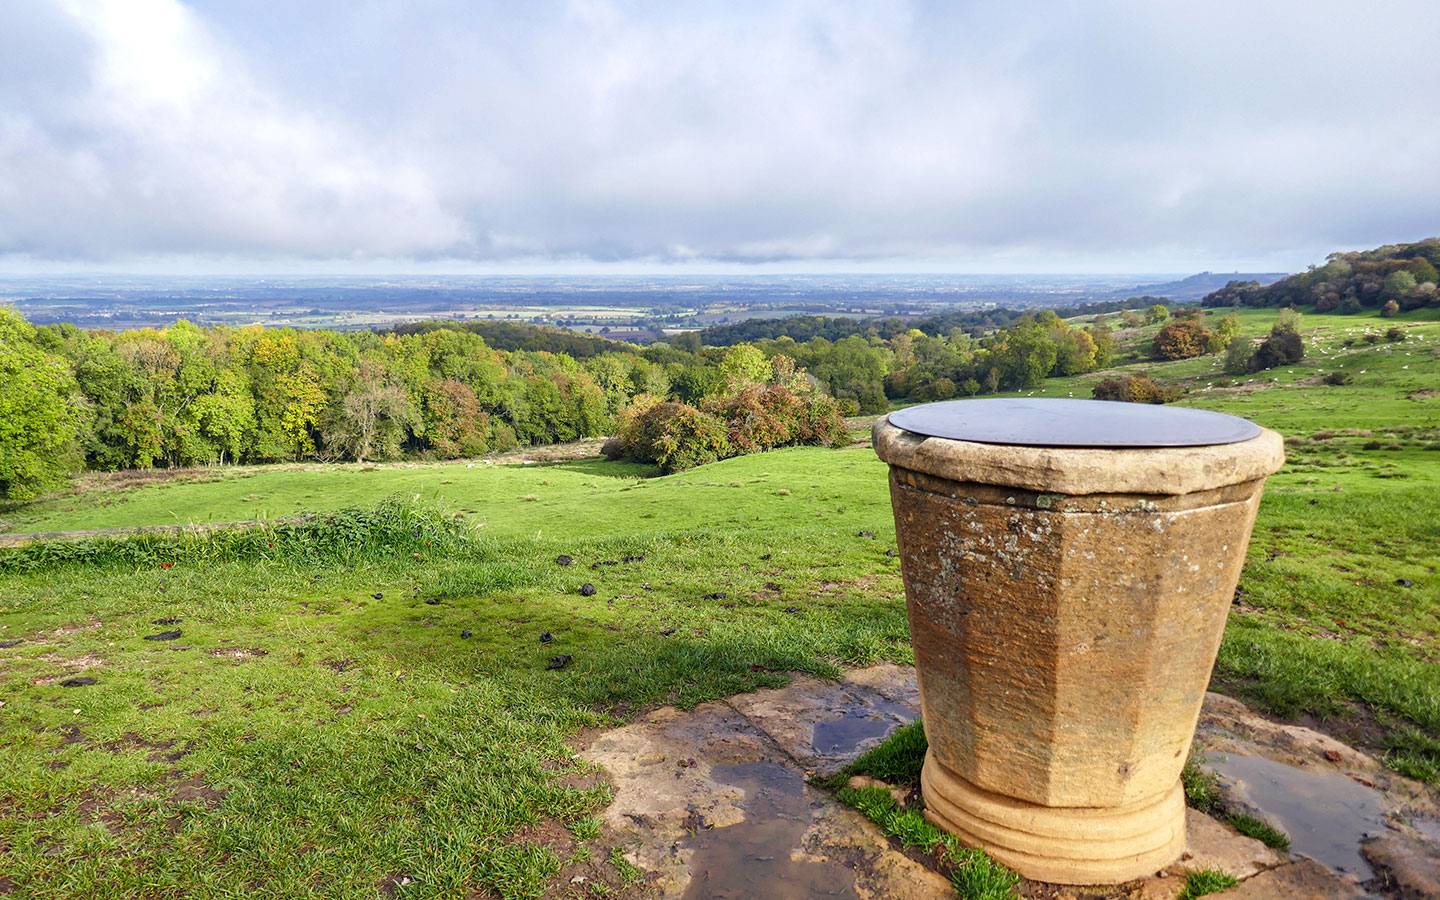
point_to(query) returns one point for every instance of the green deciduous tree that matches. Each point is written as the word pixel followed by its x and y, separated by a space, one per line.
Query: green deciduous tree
pixel 42 415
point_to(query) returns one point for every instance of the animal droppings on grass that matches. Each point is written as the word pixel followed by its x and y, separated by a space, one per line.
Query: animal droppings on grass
pixel 869 534
pixel 1404 582
pixel 667 632
pixel 546 637
pixel 465 633
pixel 587 590
pixel 564 560
pixel 164 635
pixel 717 595
pixel 175 621
pixel 891 553
pixel 792 610
pixel 765 556
pixel 558 662
pixel 82 681
pixel 378 596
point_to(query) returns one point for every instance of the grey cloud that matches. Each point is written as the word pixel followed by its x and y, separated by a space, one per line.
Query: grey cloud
pixel 830 131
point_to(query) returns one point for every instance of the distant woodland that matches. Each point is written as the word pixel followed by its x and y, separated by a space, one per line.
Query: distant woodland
pixel 1391 279
pixel 187 395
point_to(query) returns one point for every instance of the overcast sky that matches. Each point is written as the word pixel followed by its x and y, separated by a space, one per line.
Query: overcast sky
pixel 815 135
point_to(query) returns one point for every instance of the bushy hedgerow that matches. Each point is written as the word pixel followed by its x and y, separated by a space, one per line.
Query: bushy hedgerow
pixel 1281 348
pixel 1135 389
pixel 394 527
pixel 680 436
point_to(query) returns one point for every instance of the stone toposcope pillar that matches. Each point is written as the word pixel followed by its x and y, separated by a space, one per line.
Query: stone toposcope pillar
pixel 1068 568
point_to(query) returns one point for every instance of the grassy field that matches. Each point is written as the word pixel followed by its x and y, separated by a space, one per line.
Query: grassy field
pixel 323 726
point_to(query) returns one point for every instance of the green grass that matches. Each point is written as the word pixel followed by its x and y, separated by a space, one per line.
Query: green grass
pixel 1260 830
pixel 974 875
pixel 1206 881
pixel 342 738
pixel 580 496
pixel 317 740
pixel 1202 788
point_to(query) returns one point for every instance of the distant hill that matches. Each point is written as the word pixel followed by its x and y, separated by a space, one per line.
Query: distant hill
pixel 1197 286
pixel 1392 278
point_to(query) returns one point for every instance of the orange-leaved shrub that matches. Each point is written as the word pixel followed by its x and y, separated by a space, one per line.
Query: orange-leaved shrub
pixel 749 418
pixel 1135 389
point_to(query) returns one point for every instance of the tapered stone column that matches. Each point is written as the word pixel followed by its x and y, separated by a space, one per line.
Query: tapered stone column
pixel 1066 604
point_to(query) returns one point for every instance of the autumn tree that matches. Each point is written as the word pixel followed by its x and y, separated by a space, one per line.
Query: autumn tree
pixel 1180 339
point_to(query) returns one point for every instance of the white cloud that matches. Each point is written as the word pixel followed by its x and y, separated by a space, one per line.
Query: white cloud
pixel 169 145
pixel 829 130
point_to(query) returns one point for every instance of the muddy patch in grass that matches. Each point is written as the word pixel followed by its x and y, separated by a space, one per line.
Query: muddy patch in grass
pixel 155 751
pixel 194 790
pixel 239 654
pixel 71 666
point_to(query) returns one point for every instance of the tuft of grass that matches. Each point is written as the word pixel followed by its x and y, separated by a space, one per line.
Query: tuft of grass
pixel 1202 788
pixel 629 873
pixel 1260 830
pixel 586 828
pixel 978 877
pixel 1206 881
pixel 520 871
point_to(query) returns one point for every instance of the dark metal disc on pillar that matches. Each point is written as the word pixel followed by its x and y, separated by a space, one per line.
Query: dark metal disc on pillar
pixel 1040 422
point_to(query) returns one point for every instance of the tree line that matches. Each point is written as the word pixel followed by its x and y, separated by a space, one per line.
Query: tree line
pixel 186 395
pixel 834 328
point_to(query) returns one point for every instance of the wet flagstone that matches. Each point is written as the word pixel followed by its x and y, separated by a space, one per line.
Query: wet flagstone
pixel 714 802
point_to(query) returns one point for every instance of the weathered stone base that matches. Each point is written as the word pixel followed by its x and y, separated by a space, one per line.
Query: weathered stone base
pixel 1060 845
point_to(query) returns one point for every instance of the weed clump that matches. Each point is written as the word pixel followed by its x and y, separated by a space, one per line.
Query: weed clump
pixel 1206 881
pixel 396 526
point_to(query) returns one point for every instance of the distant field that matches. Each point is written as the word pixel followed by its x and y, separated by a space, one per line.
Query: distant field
pixel 583 496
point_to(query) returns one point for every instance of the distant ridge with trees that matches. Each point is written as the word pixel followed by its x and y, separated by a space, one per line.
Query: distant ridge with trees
pixel 1393 278
pixel 833 328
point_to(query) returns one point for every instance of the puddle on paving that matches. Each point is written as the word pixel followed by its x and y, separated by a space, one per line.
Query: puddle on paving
pixel 752 857
pixel 843 736
pixel 1325 814
pixel 1428 827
